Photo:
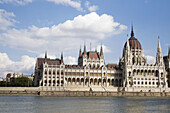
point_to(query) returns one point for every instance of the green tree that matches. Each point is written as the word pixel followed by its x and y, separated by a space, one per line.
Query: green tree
pixel 20 82
pixel 2 83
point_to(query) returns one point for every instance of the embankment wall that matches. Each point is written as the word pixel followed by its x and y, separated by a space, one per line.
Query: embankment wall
pixel 35 91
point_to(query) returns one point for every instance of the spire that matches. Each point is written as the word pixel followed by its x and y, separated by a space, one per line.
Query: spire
pixel 96 49
pixel 101 51
pixel 159 45
pixel 62 57
pixel 127 52
pixel 80 52
pixel 132 33
pixel 84 49
pixel 127 43
pixel 45 54
pixel 159 58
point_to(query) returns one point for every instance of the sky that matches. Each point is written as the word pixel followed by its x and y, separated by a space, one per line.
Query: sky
pixel 28 28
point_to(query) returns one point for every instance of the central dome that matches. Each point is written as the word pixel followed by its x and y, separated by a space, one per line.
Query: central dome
pixel 133 42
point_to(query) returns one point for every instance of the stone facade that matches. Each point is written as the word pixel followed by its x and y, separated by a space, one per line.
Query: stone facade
pixel 137 72
pixel 91 73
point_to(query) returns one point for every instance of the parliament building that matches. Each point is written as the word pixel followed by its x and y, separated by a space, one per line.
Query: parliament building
pixel 133 73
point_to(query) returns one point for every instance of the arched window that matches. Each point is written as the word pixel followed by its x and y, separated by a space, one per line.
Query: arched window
pixel 53 72
pixel 45 71
pixel 62 72
pixel 133 60
pixel 49 72
pixel 157 73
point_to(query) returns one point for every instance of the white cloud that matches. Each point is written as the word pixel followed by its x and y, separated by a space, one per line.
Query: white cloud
pixel 105 48
pixel 70 60
pixel 6 19
pixel 25 65
pixel 74 4
pixel 91 8
pixel 67 59
pixel 150 59
pixel 65 36
pixel 19 2
pixel 51 56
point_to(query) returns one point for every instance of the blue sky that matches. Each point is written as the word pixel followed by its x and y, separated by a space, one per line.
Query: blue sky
pixel 28 28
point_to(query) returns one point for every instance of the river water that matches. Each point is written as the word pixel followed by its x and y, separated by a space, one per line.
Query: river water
pixel 31 104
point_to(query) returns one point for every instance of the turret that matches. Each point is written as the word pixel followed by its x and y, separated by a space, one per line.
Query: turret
pixel 127 45
pixel 84 49
pixel 45 54
pixel 101 51
pixel 62 58
pixel 159 58
pixel 127 52
pixel 80 52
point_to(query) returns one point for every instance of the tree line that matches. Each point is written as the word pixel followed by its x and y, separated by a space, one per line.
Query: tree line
pixel 17 82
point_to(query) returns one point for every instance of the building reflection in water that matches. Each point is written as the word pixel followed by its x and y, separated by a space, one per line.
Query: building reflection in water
pixel 84 104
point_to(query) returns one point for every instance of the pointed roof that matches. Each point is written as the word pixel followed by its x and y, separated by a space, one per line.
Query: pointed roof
pixel 84 49
pixel 101 51
pixel 132 33
pixel 80 52
pixel 46 54
pixel 159 45
pixel 159 58
pixel 62 57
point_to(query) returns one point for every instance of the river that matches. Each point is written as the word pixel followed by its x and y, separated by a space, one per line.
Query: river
pixel 31 104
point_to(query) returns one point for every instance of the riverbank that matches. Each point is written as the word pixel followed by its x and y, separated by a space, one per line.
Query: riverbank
pixel 35 91
pixel 100 94
pixel 82 94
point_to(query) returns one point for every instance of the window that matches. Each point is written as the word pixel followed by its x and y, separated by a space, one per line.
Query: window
pixel 61 72
pixel 50 72
pixel 157 73
pixel 129 73
pixel 53 72
pixel 45 71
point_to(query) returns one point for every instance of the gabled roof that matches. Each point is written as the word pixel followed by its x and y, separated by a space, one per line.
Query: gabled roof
pixel 92 54
pixel 40 61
